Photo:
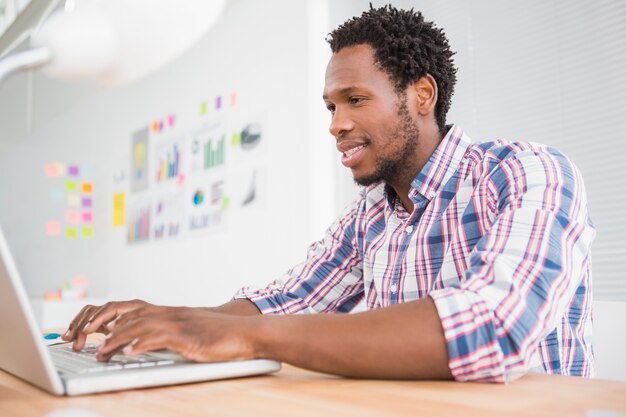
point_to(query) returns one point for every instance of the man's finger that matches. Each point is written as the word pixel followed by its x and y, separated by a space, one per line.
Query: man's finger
pixel 71 330
pixel 123 335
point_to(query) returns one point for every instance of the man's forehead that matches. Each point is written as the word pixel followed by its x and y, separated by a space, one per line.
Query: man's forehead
pixel 352 68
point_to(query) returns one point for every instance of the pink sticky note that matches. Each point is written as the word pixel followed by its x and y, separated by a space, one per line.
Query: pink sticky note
pixel 233 99
pixel 170 120
pixel 181 179
pixel 87 217
pixel 72 216
pixel 53 228
pixel 51 170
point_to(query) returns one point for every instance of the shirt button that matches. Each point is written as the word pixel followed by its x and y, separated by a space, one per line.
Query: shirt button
pixel 409 229
pixel 394 288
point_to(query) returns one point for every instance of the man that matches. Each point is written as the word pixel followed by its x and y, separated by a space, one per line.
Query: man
pixel 473 259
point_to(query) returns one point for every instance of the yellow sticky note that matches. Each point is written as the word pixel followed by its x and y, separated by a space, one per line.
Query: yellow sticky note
pixel 73 200
pixel 71 186
pixel 118 209
pixel 71 233
pixel 87 232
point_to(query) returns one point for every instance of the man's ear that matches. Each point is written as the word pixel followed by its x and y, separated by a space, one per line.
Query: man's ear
pixel 425 90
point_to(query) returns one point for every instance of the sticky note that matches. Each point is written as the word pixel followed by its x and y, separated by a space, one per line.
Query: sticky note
pixel 203 108
pixel 87 187
pixel 72 216
pixel 71 186
pixel 87 232
pixel 53 228
pixel 86 172
pixel 71 233
pixel 51 170
pixel 160 125
pixel 87 217
pixel 73 200
pixel 73 170
pixel 155 126
pixel 235 140
pixel 86 202
pixel 118 209
pixel 218 102
pixel 56 194
pixel 233 99
pixel 170 120
pixel 225 203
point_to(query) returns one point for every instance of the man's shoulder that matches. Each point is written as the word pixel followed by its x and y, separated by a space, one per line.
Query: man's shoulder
pixel 501 149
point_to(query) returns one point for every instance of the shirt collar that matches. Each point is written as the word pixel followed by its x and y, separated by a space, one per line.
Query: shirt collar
pixel 439 168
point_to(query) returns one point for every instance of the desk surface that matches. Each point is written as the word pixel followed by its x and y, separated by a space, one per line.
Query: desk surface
pixel 296 392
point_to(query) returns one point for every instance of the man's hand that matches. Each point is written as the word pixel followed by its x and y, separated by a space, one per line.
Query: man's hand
pixel 101 319
pixel 198 334
pixel 92 319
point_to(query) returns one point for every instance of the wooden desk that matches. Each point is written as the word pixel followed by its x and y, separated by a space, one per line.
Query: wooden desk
pixel 295 392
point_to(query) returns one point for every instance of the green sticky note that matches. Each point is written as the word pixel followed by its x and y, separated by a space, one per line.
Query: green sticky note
pixel 235 140
pixel 87 232
pixel 203 108
pixel 225 203
pixel 71 186
pixel 71 233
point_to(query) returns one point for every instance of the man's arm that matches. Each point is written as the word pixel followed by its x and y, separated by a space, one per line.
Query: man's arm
pixel 404 341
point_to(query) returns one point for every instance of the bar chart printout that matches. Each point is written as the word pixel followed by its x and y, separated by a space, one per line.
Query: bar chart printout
pixel 168 164
pixel 214 153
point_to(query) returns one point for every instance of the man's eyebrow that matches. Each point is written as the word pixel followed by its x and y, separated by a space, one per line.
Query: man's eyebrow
pixel 343 91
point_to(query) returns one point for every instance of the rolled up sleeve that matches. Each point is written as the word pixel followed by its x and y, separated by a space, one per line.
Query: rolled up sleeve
pixel 523 273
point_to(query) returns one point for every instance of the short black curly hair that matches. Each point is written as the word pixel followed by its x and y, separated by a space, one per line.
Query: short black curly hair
pixel 406 47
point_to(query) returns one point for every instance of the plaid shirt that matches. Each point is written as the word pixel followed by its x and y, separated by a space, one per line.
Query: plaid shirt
pixel 499 238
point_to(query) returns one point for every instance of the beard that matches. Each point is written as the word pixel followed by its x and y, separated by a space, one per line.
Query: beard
pixel 396 165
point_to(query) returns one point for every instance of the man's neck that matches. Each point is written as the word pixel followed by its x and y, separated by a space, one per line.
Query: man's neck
pixel 428 142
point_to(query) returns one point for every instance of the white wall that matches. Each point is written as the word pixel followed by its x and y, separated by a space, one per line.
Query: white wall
pixel 263 51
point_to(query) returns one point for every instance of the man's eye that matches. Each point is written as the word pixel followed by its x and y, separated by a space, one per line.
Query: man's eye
pixel 355 100
pixel 331 108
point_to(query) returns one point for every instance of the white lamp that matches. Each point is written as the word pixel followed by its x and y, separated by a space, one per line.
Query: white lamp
pixel 114 41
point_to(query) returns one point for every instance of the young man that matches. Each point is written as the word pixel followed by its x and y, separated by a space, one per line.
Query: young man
pixel 473 259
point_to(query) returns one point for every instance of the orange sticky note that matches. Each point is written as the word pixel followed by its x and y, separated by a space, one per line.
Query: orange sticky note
pixel 87 187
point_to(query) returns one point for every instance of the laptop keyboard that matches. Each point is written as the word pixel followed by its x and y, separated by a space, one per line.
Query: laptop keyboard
pixel 68 361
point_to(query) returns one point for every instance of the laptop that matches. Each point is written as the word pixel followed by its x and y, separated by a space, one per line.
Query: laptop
pixel 61 371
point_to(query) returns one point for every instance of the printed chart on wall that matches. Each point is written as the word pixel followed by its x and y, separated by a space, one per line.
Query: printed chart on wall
pixel 71 191
pixel 190 172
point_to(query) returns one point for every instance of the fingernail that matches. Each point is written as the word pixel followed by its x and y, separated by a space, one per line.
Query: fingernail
pixel 128 349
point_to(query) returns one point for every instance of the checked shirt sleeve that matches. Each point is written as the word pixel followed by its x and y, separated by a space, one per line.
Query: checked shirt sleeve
pixel 524 272
pixel 330 280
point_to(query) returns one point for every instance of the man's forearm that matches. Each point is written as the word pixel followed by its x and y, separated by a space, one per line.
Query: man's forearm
pixel 239 307
pixel 405 341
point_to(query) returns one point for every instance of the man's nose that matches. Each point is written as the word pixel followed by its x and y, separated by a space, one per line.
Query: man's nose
pixel 340 124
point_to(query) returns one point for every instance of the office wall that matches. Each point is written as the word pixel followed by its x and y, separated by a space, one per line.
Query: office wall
pixel 271 55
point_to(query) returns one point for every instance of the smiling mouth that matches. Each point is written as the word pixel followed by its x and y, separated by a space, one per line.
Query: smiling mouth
pixel 352 156
pixel 352 151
